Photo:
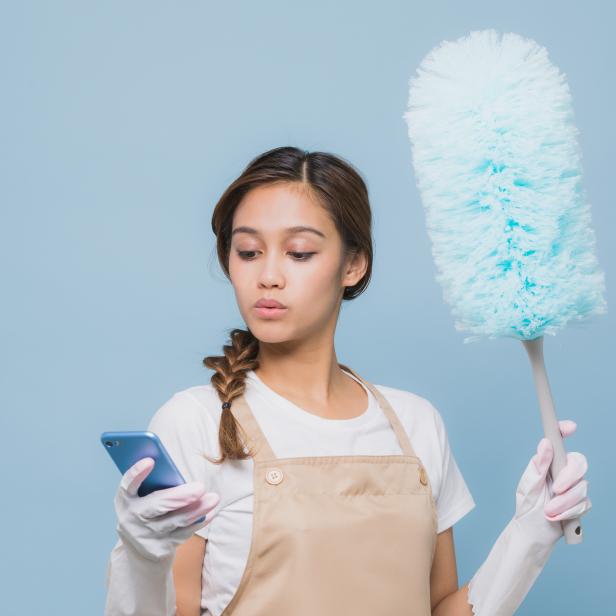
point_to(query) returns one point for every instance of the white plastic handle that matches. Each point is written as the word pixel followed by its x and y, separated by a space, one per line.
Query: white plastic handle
pixel 572 528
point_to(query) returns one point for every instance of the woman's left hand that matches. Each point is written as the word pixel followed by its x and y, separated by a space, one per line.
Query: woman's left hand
pixel 543 502
pixel 523 548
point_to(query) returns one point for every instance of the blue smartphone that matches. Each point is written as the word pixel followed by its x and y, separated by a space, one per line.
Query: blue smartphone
pixel 127 448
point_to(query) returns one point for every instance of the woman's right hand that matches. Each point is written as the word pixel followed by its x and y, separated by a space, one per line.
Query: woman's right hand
pixel 156 524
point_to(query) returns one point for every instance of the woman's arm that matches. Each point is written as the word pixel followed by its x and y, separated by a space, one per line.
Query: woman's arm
pixel 187 568
pixel 445 597
pixel 455 604
pixel 522 549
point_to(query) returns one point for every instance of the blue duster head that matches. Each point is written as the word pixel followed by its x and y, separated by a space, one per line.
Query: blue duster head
pixel 497 163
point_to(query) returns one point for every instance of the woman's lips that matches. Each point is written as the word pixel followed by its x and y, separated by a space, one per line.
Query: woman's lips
pixel 269 313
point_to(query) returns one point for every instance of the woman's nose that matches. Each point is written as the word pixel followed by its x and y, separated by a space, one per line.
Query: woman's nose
pixel 271 273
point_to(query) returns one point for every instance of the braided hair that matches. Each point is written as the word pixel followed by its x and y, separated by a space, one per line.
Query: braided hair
pixel 230 369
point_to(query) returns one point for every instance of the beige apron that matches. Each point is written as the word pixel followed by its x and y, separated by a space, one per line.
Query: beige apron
pixel 337 535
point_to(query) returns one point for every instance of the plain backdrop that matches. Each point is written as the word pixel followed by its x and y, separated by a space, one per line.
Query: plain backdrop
pixel 121 125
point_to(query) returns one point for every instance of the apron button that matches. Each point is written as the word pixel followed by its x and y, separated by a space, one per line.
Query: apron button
pixel 422 476
pixel 274 476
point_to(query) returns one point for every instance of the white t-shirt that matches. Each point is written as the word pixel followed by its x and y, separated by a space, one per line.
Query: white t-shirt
pixel 187 424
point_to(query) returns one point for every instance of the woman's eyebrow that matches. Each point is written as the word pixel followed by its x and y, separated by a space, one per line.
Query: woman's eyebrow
pixel 288 230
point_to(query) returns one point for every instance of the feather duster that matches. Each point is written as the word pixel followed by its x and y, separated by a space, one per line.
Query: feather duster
pixel 497 163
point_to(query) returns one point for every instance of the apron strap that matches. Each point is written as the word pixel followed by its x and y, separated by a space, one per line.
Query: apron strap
pixel 255 439
pixel 403 439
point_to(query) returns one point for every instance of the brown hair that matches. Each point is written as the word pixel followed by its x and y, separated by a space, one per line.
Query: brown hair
pixel 342 192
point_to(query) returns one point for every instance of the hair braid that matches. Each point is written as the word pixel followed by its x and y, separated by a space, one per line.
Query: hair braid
pixel 229 380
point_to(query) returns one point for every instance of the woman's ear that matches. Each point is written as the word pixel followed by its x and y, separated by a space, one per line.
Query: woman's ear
pixel 355 268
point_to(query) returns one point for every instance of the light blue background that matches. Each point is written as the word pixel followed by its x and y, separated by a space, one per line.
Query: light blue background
pixel 123 122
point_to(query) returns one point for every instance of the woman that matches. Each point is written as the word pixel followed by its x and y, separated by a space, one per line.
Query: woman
pixel 326 494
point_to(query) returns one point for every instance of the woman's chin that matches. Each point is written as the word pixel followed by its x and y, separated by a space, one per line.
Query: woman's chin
pixel 269 331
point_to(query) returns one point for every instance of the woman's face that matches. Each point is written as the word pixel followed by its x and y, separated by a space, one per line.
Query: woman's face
pixel 302 269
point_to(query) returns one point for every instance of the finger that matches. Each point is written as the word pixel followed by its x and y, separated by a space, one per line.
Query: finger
pixel 185 517
pixel 571 473
pixel 532 483
pixel 206 502
pixel 567 427
pixel 134 476
pixel 161 502
pixel 182 533
pixel 575 512
pixel 543 458
pixel 558 504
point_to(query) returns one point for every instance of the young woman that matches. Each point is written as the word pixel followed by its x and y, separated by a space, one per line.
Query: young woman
pixel 326 494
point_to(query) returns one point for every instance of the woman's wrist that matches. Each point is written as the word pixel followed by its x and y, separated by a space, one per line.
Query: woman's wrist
pixel 504 579
pixel 136 585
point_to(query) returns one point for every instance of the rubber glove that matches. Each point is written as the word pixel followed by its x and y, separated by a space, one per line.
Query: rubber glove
pixel 151 527
pixel 523 548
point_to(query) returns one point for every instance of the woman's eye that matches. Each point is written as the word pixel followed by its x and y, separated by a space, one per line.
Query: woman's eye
pixel 243 253
pixel 304 256
pixel 298 256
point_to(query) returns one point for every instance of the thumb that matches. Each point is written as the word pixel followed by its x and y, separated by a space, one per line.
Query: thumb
pixel 136 474
pixel 532 483
pixel 543 458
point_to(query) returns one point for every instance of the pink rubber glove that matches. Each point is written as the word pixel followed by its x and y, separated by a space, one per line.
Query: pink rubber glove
pixel 151 527
pixel 569 490
pixel 521 551
pixel 542 502
pixel 156 524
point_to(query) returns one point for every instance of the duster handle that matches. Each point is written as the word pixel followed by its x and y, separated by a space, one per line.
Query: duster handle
pixel 572 528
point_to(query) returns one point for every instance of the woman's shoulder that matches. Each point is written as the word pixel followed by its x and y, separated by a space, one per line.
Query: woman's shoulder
pixel 204 396
pixel 195 406
pixel 407 402
pixel 419 416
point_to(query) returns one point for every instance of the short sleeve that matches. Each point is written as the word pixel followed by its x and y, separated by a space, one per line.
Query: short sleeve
pixel 181 424
pixel 454 499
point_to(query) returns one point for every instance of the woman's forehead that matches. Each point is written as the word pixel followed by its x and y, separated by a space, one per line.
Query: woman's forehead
pixel 279 211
